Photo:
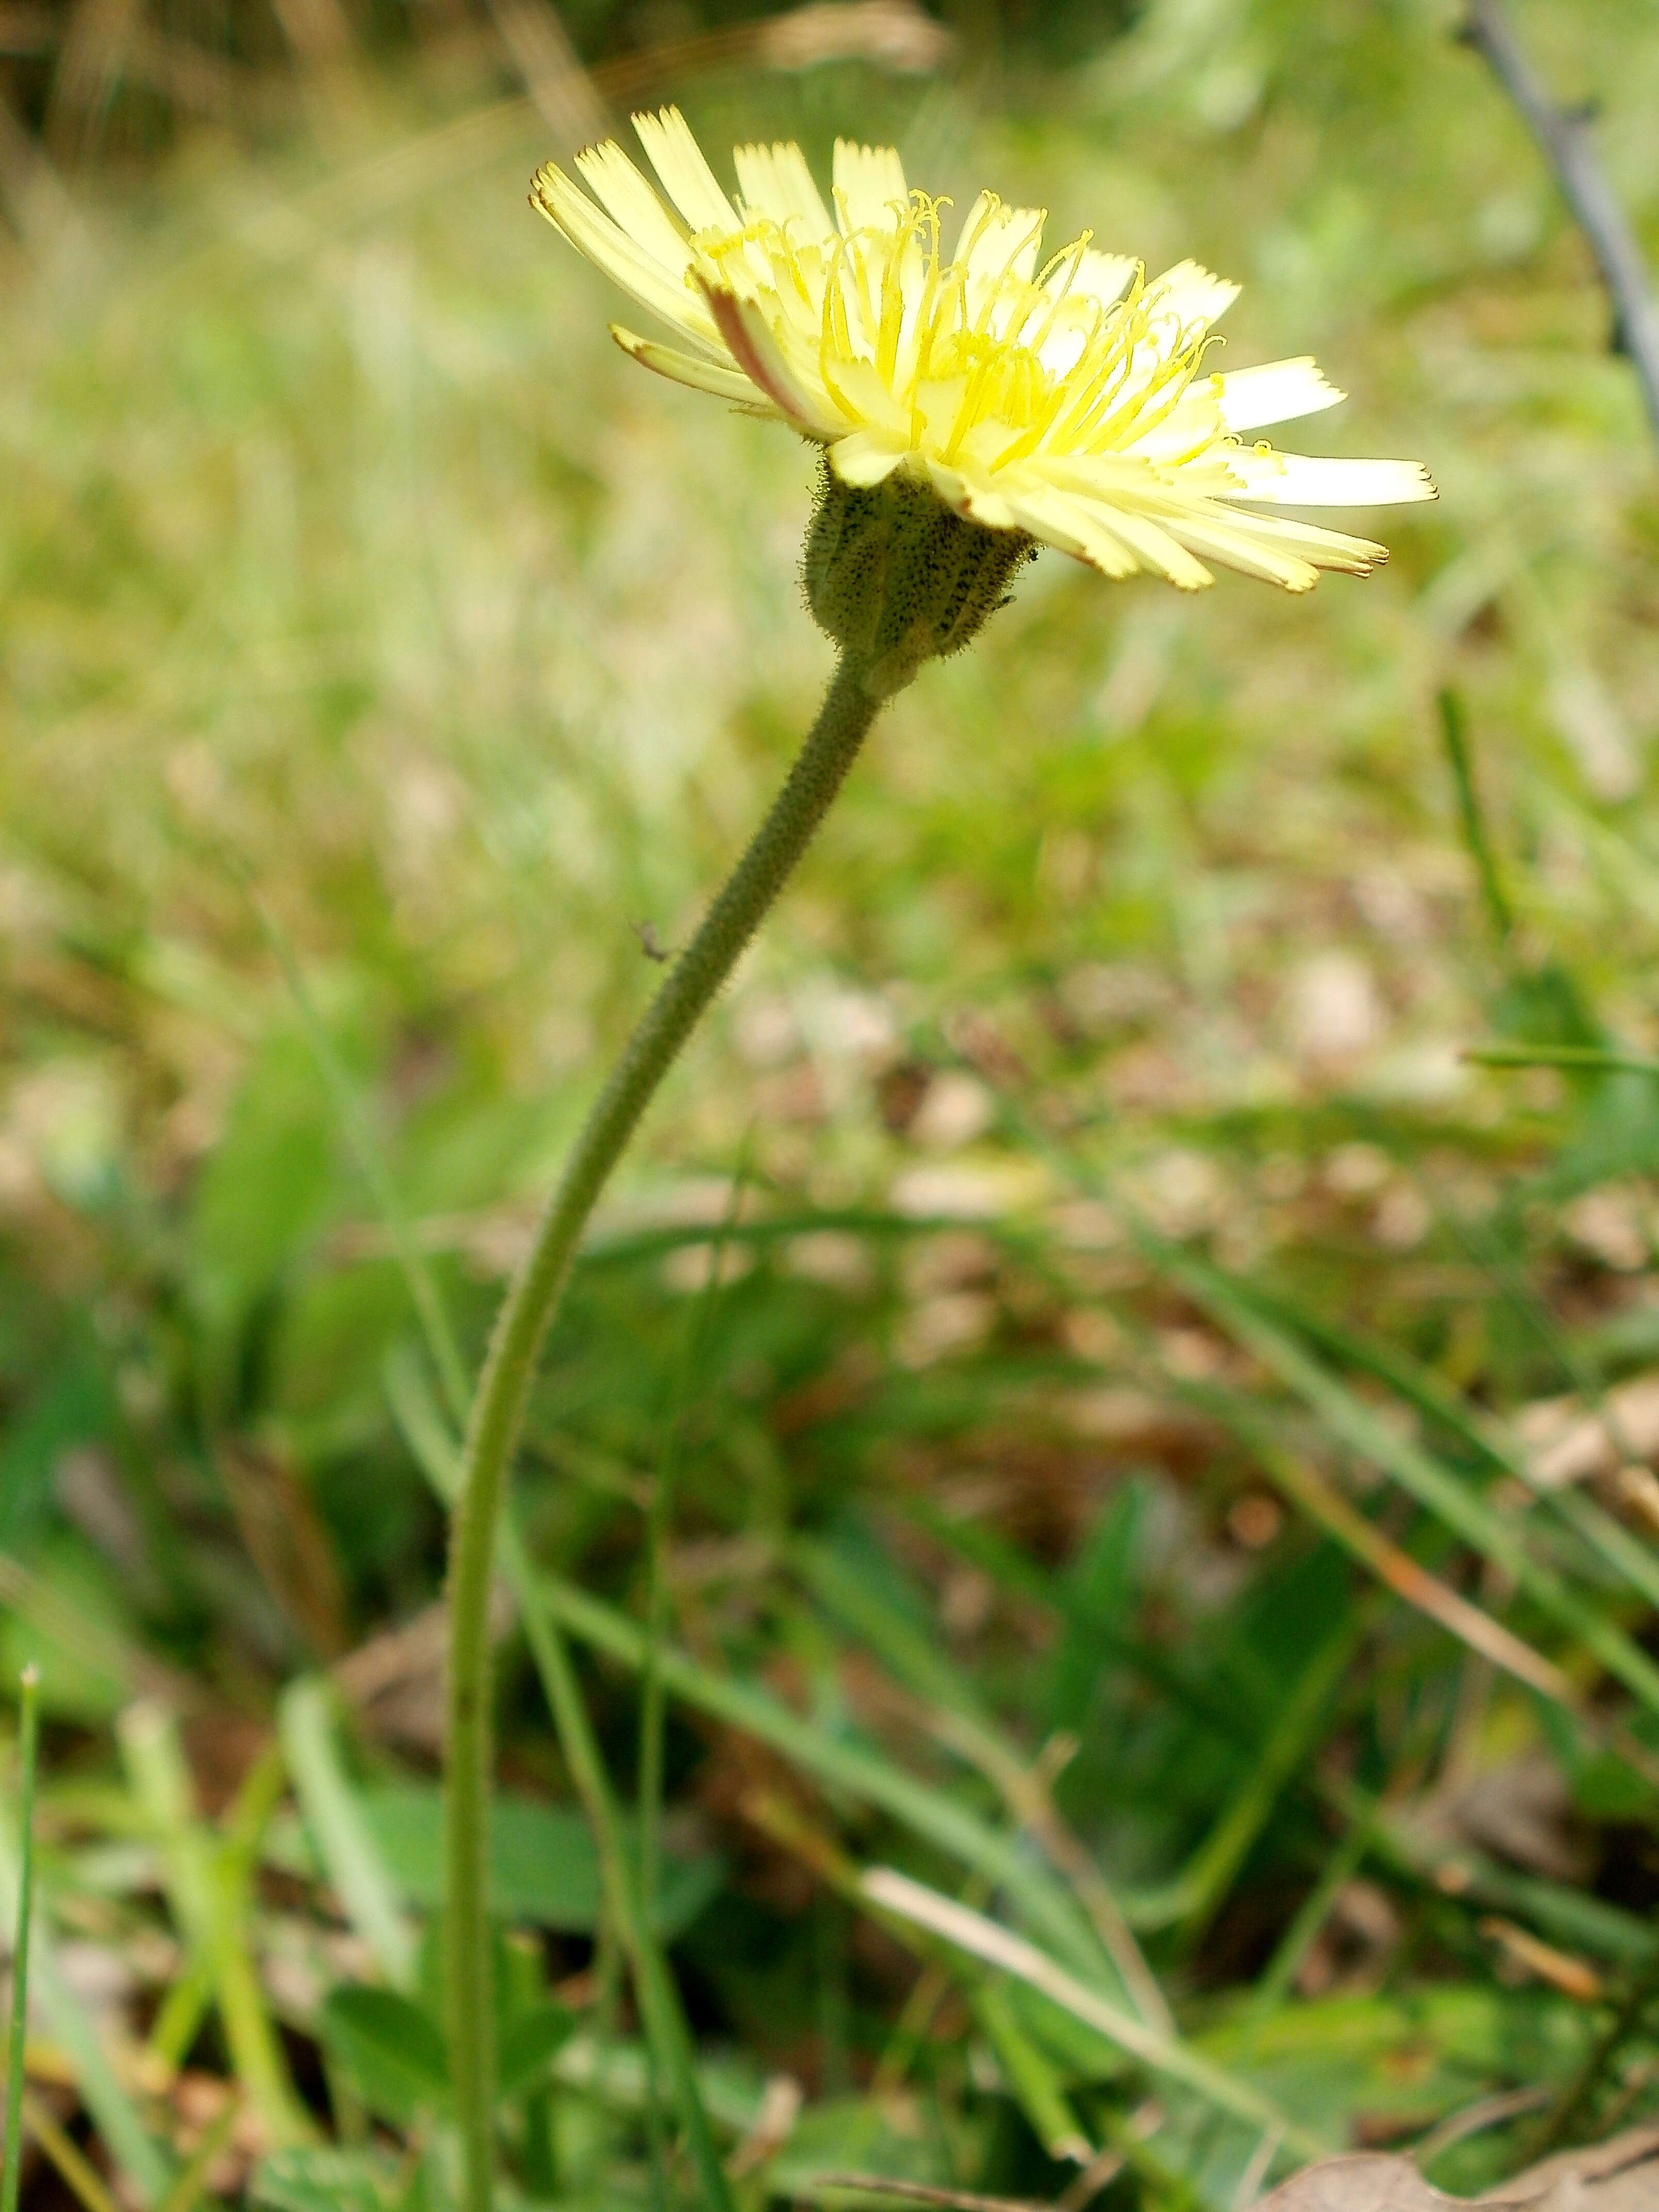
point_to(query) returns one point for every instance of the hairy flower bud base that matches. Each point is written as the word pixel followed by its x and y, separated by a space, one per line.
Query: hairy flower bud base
pixel 895 578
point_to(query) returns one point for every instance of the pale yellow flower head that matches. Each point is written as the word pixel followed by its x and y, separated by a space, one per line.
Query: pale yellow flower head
pixel 1067 400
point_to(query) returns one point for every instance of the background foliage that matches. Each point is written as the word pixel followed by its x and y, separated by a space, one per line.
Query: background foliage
pixel 1074 1260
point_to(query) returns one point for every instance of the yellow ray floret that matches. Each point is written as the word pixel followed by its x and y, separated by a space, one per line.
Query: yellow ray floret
pixel 1065 398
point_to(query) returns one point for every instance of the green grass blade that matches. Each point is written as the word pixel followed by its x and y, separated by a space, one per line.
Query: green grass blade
pixel 658 1535
pixel 1581 1058
pixel 1359 1429
pixel 205 1908
pixel 980 1938
pixel 1471 817
pixel 351 1858
pixel 929 1813
pixel 185 2005
pixel 1036 2086
pixel 670 2037
pixel 426 1429
pixel 116 2117
pixel 29 1745
pixel 1102 1936
pixel 1202 1888
pixel 79 1632
pixel 1569 1917
pixel 368 1156
pixel 1307 1492
pixel 1277 1976
pixel 665 2022
pixel 1423 1389
pixel 909 1654
pixel 73 2169
pixel 1571 1502
pixel 192 2184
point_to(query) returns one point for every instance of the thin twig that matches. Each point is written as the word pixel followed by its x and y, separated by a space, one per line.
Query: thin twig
pixel 1562 136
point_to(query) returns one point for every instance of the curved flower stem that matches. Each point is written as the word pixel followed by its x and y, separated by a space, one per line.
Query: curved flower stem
pixel 492 1435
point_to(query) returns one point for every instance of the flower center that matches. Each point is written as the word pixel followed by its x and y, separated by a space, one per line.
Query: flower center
pixel 979 354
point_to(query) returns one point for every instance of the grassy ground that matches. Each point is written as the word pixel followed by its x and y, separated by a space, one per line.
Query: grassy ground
pixel 1092 1344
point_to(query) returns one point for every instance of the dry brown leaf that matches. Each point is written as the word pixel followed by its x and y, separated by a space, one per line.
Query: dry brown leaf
pixel 1620 2176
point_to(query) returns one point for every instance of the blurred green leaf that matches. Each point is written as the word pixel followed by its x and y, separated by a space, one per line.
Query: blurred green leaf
pixel 75 1602
pixel 341 1827
pixel 530 2044
pixel 325 2181
pixel 392 2049
pixel 262 1193
pixel 543 1868
pixel 122 2127
pixel 70 1405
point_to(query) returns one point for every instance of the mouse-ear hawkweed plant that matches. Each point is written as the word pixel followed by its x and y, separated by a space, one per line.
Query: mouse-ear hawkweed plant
pixel 972 405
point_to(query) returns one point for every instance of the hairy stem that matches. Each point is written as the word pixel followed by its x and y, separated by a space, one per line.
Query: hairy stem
pixel 498 1409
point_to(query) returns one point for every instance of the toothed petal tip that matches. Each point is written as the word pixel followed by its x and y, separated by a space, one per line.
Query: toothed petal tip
pixel 1071 405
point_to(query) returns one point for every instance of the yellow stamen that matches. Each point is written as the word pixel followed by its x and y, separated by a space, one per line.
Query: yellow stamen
pixel 1038 396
